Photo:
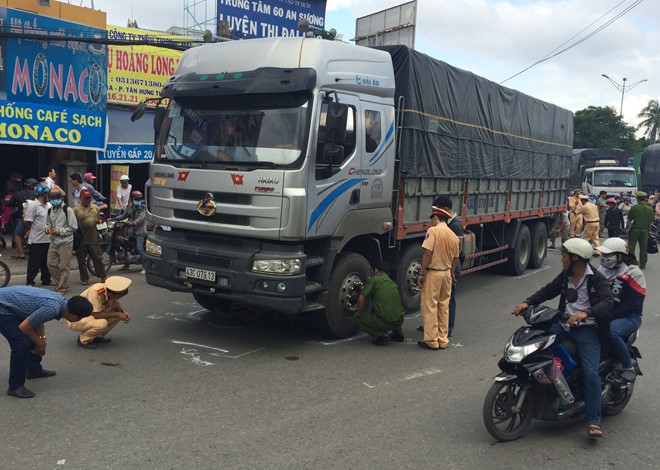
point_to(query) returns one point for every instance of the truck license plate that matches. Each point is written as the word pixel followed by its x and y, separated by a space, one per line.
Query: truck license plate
pixel 202 274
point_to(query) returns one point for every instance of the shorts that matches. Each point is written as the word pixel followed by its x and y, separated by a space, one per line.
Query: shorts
pixel 19 230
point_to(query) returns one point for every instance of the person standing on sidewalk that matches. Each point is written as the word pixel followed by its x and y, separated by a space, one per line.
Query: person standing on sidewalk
pixel 87 216
pixel 638 228
pixel 60 226
pixel 35 218
pixel 441 252
pixel 18 202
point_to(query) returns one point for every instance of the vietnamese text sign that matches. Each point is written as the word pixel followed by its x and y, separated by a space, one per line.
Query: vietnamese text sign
pixel 138 72
pixel 262 19
pixel 126 153
pixel 53 91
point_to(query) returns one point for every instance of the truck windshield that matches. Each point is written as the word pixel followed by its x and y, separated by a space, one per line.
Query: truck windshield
pixel 623 178
pixel 267 137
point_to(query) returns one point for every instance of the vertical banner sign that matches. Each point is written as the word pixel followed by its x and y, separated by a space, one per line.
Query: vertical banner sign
pixel 115 173
pixel 52 92
pixel 248 19
pixel 138 72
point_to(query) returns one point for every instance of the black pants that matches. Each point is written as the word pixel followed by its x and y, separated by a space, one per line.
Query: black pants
pixel 94 252
pixel 38 260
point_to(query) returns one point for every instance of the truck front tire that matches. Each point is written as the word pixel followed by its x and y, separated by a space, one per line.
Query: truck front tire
pixel 347 279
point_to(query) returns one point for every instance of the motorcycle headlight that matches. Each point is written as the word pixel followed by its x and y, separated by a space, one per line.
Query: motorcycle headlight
pixel 285 267
pixel 154 249
pixel 516 354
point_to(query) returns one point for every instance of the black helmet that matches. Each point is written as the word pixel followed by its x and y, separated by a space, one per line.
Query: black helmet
pixel 136 195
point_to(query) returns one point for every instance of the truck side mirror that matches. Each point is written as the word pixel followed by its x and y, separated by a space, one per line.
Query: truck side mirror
pixel 333 154
pixel 335 122
pixel 159 118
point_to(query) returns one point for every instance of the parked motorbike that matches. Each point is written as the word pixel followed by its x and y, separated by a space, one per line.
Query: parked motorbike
pixel 5 273
pixel 117 243
pixel 531 384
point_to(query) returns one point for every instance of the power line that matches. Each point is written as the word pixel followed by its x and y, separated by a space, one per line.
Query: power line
pixel 555 53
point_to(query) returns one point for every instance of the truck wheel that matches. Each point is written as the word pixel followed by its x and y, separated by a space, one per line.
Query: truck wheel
pixel 519 255
pixel 407 276
pixel 348 277
pixel 539 245
pixel 206 301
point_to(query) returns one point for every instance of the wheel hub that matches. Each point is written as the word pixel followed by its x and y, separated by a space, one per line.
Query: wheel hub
pixel 349 292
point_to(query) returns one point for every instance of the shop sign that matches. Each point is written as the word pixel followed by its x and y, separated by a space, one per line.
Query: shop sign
pixel 126 153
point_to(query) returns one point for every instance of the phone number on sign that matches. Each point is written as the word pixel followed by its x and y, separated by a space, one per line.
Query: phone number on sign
pixel 123 97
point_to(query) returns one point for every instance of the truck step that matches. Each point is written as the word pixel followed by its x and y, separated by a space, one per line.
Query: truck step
pixel 314 306
pixel 312 286
pixel 314 261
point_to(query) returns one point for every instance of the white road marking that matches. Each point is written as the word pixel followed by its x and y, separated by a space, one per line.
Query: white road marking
pixel 200 346
pixel 345 340
pixel 193 357
pixel 531 273
pixel 240 355
pixel 415 375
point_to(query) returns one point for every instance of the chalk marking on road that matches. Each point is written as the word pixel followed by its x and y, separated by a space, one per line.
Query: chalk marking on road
pixel 194 358
pixel 415 375
pixel 522 276
pixel 240 355
pixel 199 345
pixel 182 320
pixel 345 340
pixel 227 327
pixel 456 345
pixel 194 314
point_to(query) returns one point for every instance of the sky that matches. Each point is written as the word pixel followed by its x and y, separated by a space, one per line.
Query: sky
pixel 497 39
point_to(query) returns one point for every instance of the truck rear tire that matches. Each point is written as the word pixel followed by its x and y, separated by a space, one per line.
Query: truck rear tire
pixel 347 279
pixel 539 245
pixel 407 276
pixel 519 254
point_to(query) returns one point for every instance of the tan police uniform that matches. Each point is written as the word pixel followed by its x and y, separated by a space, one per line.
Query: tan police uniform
pixel 90 327
pixel 436 292
pixel 576 219
pixel 589 213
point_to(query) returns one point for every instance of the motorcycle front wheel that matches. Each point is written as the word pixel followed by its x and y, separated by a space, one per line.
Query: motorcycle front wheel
pixel 501 420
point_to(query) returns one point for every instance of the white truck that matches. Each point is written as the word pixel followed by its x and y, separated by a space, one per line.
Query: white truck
pixel 605 169
pixel 286 167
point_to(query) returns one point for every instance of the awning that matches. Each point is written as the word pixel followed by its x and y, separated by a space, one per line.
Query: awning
pixel 128 142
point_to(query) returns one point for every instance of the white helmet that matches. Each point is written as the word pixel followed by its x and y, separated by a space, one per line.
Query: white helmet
pixel 614 245
pixel 123 178
pixel 578 247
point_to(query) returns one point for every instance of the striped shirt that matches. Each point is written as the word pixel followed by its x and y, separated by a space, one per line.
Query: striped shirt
pixel 36 305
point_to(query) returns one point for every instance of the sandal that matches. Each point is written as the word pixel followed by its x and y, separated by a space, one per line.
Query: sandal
pixel 17 256
pixel 594 431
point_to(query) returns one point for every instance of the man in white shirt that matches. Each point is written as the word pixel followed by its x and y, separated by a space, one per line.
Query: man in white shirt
pixel 50 178
pixel 123 194
pixel 36 215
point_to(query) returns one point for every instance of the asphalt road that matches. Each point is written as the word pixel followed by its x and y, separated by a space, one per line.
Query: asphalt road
pixel 179 387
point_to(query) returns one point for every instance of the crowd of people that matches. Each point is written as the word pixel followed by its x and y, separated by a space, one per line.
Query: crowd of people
pixel 42 225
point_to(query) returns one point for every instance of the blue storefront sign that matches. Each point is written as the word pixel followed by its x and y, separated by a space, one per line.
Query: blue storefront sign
pixel 249 19
pixel 126 153
pixel 52 93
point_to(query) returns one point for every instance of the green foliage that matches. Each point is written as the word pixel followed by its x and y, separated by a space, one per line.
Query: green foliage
pixel 651 116
pixel 601 127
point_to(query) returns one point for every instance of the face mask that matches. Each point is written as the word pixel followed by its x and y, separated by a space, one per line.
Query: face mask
pixel 56 202
pixel 137 203
pixel 608 262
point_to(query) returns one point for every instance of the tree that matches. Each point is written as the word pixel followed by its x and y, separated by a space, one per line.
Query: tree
pixel 602 127
pixel 651 116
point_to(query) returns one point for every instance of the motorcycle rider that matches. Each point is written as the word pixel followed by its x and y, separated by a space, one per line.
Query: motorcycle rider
pixel 136 217
pixel 629 290
pixel 586 299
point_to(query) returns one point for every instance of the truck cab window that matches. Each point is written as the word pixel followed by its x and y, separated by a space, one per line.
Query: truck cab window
pixel 323 168
pixel 372 130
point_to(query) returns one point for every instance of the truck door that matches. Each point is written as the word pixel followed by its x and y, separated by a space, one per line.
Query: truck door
pixel 336 185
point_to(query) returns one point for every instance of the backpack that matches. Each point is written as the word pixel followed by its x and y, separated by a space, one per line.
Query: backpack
pixel 77 234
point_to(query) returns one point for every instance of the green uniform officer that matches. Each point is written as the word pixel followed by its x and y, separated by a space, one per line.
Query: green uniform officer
pixel 386 312
pixel 640 219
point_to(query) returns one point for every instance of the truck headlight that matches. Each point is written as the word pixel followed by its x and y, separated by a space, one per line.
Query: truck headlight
pixel 154 249
pixel 286 267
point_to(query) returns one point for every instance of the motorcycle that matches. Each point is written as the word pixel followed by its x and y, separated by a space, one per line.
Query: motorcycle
pixel 118 244
pixel 5 274
pixel 531 384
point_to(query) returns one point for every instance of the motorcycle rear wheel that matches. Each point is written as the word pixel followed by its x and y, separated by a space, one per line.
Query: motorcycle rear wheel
pixel 5 274
pixel 621 397
pixel 107 263
pixel 501 421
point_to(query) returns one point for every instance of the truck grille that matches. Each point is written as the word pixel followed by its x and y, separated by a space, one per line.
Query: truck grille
pixel 189 258
pixel 224 198
pixel 215 218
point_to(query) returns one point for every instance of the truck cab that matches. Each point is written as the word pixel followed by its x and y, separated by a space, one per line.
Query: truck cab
pixel 613 179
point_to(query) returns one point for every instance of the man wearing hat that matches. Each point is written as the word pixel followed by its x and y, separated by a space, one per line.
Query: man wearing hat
pixel 61 223
pixel 123 194
pixel 638 227
pixel 87 216
pixel 35 217
pixel 576 220
pixel 613 219
pixel 106 313
pixel 589 213
pixel 441 255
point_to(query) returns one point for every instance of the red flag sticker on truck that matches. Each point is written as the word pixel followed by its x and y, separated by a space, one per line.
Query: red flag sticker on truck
pixel 183 175
pixel 237 179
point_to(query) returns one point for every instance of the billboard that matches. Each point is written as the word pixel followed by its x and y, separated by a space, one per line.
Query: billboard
pixel 391 27
pixel 52 92
pixel 247 19
pixel 138 72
